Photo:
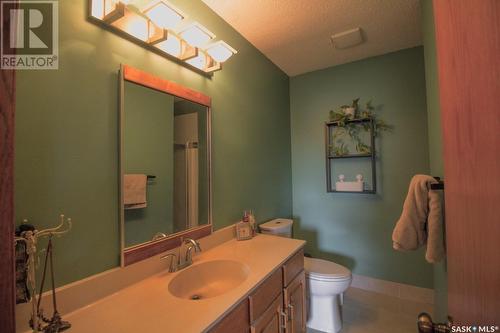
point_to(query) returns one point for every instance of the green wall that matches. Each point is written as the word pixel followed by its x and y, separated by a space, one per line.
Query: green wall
pixel 355 229
pixel 435 140
pixel 148 146
pixel 67 135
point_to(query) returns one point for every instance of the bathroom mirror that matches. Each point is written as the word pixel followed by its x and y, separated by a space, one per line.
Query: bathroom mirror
pixel 164 164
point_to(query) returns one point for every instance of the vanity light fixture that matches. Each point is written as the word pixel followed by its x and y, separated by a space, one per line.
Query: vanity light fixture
pixel 131 22
pixel 205 63
pixel 154 27
pixel 163 14
pixel 220 51
pixel 196 35
pixel 102 8
pixel 177 47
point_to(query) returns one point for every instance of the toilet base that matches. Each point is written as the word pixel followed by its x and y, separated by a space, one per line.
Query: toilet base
pixel 325 314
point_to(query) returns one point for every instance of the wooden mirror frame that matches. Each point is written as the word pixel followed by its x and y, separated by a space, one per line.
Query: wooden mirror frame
pixel 143 251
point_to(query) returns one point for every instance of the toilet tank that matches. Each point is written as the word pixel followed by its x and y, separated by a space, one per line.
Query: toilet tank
pixel 277 227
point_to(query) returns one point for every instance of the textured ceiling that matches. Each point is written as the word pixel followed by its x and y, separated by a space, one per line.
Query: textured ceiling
pixel 295 34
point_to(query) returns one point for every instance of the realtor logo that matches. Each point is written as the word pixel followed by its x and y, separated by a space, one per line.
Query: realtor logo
pixel 31 42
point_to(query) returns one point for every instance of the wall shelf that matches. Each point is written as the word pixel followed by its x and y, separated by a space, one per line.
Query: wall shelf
pixel 354 192
pixel 350 156
pixel 329 129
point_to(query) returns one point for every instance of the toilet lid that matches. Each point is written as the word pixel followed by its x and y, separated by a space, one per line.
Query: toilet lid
pixel 276 224
pixel 324 269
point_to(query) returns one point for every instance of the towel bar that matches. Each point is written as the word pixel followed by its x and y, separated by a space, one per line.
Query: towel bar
pixel 439 185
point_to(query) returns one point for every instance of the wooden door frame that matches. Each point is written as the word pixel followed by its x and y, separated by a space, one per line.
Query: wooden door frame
pixel 7 272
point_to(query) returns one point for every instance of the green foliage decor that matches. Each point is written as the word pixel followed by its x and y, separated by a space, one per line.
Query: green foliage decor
pixel 347 130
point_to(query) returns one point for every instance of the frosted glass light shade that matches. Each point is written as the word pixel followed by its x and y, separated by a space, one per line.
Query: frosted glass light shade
pixel 197 35
pixel 97 9
pixel 134 25
pixel 172 45
pixel 200 61
pixel 220 51
pixel 109 6
pixel 101 8
pixel 164 15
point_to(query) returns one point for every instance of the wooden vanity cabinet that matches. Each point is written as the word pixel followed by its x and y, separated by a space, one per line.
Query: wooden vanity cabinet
pixel 277 305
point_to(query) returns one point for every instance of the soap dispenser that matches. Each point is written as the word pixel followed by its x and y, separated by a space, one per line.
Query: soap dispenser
pixel 243 228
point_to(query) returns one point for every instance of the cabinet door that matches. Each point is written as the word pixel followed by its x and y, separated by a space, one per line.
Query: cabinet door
pixel 270 320
pixel 265 294
pixel 237 321
pixel 295 304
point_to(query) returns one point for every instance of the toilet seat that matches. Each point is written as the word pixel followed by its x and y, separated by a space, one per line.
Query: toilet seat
pixel 324 270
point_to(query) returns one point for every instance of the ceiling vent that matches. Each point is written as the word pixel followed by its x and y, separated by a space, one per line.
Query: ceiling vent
pixel 348 38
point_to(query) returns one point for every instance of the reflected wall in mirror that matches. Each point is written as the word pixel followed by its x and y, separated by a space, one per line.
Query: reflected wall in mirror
pixel 164 163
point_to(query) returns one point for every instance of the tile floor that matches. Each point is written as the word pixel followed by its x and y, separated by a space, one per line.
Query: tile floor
pixel 370 312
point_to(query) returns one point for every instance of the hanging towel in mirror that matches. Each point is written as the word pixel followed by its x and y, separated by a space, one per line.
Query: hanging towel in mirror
pixel 421 222
pixel 134 191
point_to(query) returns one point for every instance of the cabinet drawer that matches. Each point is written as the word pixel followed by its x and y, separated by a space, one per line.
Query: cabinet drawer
pixel 265 294
pixel 236 321
pixel 293 266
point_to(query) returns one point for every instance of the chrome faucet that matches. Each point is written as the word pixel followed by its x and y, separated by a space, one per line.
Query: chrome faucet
pixel 159 235
pixel 177 263
pixel 189 244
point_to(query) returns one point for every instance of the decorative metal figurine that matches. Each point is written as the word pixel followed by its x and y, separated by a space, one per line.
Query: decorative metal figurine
pixel 30 238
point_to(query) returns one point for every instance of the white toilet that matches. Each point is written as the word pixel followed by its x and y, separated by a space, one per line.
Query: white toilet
pixel 326 283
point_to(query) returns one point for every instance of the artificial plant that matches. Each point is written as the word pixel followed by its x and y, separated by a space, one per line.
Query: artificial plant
pixel 346 129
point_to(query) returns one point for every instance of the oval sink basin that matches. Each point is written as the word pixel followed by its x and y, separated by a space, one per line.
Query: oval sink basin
pixel 208 279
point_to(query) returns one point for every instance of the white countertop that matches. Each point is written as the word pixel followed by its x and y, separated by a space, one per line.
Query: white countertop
pixel 148 306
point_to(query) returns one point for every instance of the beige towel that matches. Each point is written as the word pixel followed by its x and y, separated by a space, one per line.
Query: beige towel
pixel 134 191
pixel 421 221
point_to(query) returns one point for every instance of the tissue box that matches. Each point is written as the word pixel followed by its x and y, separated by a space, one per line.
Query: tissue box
pixel 349 186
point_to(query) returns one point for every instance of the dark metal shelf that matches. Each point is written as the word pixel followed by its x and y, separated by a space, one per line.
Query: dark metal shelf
pixel 329 158
pixel 351 156
pixel 355 192
pixel 355 120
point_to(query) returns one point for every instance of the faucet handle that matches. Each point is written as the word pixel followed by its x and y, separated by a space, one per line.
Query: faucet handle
pixel 173 262
pixel 197 246
pixel 191 243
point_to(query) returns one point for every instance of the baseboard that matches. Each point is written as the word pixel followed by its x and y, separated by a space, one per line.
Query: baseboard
pixel 400 290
